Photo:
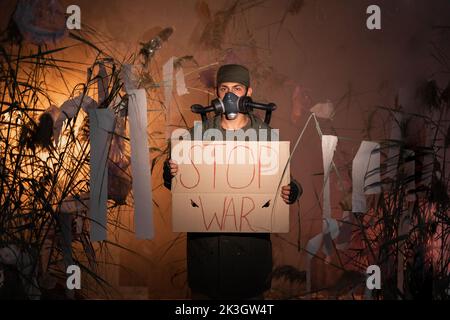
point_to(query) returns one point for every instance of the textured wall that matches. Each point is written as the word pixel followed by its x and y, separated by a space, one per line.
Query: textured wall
pixel 322 46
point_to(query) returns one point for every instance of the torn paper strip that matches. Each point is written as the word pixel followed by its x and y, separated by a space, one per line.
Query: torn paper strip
pixel 101 122
pixel 181 84
pixel 330 232
pixel 168 88
pixel 323 110
pixel 69 109
pixel 328 147
pixel 140 164
pixel 129 77
pixel 77 206
pixel 372 178
pixel 365 174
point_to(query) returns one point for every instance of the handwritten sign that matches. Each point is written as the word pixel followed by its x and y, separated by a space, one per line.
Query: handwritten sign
pixel 229 186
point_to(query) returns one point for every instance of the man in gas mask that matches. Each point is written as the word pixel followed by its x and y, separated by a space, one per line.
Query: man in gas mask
pixel 231 265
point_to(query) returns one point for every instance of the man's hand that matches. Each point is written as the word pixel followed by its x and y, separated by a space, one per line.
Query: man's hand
pixel 285 192
pixel 291 192
pixel 173 167
pixel 169 171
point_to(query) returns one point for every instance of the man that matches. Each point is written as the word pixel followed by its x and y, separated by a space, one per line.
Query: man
pixel 231 265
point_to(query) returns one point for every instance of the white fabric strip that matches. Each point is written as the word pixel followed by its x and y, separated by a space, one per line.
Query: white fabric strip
pixel 181 84
pixel 328 147
pixel 365 172
pixel 101 123
pixel 140 164
pixel 168 89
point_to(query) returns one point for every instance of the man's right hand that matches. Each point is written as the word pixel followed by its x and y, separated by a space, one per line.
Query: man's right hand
pixel 169 171
pixel 173 167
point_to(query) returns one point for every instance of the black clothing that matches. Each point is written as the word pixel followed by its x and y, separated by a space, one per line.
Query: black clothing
pixel 231 265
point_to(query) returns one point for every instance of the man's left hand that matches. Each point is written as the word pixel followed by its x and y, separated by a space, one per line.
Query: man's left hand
pixel 291 192
pixel 285 192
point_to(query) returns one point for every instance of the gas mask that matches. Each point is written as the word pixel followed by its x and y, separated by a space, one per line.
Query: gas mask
pixel 231 105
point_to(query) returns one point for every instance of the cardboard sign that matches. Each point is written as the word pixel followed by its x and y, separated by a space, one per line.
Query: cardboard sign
pixel 229 186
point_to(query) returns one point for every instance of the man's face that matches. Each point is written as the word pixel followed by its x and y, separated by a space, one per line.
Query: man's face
pixel 234 87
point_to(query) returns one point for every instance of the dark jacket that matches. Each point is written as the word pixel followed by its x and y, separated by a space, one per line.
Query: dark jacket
pixel 231 265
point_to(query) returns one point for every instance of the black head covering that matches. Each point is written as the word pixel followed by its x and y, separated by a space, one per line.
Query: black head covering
pixel 233 73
